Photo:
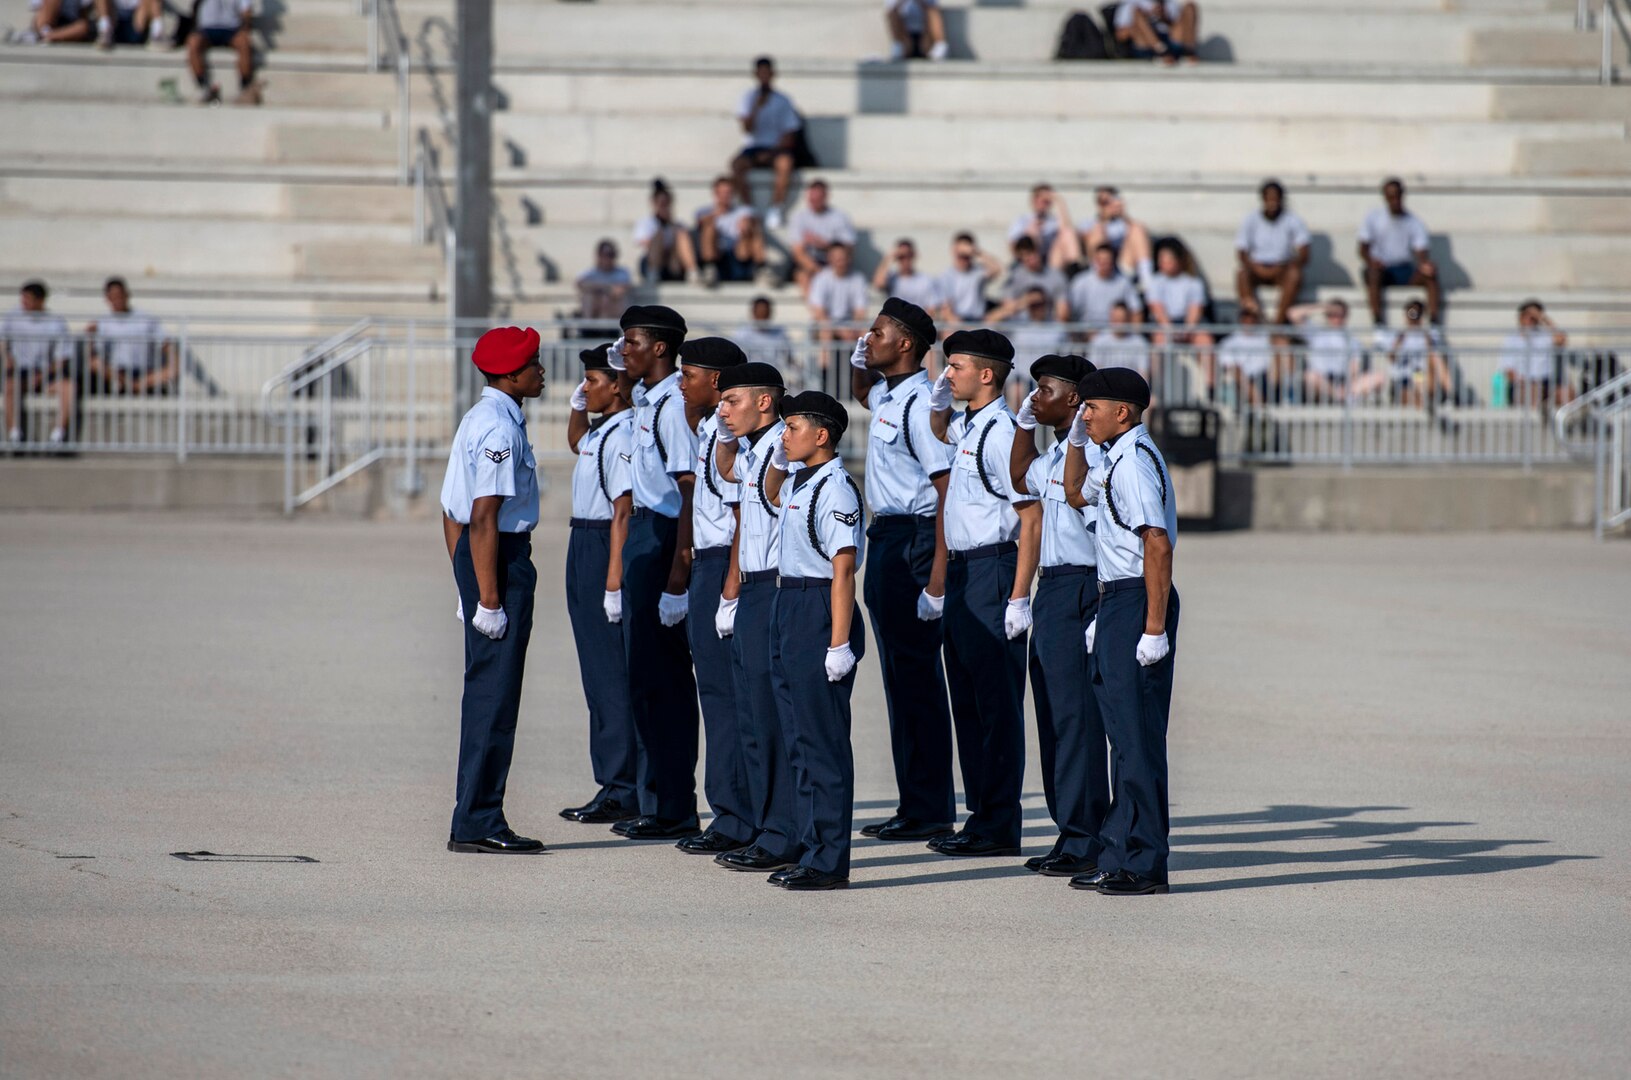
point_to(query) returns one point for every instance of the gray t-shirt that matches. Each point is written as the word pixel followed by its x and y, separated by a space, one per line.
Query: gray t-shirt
pixel 223 14
pixel 1271 243
pixel 129 342
pixel 1177 294
pixel 1393 240
pixel 964 290
pixel 816 232
pixel 35 339
pixel 919 289
pixel 1022 279
pixel 1092 297
pixel 777 118
pixel 841 299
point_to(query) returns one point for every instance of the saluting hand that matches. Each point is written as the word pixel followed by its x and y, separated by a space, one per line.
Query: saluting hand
pixel 580 397
pixel 1027 413
pixel 857 359
pixel 614 355
pixel 490 621
pixel 1152 649
pixel 778 456
pixel 1078 427
pixel 940 393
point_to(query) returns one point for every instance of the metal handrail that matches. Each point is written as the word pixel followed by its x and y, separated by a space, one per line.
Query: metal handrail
pixel 1610 396
pixel 1612 17
pixel 307 356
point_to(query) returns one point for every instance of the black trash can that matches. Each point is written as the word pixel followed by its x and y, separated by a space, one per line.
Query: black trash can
pixel 1188 438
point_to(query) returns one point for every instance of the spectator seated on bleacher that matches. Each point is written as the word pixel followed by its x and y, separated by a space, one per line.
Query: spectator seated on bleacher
pixel 1034 334
pixel 1532 358
pixel 666 253
pixel 1332 358
pixel 135 22
pixel 55 22
pixel 839 298
pixel 1098 289
pixel 1176 299
pixel 1120 344
pixel 729 237
pixel 1393 251
pixel 899 276
pixel 1246 357
pixel 1135 256
pixel 761 339
pixel 129 354
pixel 1272 248
pixel 916 29
pixel 1043 225
pixel 223 24
pixel 963 284
pixel 603 289
pixel 1026 274
pixel 1164 30
pixel 37 354
pixel 770 127
pixel 1416 367
pixel 816 228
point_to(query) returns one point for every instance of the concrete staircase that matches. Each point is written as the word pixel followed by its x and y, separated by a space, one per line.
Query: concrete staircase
pixel 1518 162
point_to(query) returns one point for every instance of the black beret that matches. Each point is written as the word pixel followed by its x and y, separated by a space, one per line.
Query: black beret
pixel 987 344
pixel 822 406
pixel 651 317
pixel 1071 368
pixel 1115 384
pixel 914 318
pixel 595 359
pixel 749 374
pixel 712 352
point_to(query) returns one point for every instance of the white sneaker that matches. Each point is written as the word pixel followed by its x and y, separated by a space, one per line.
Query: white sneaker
pixel 59 435
pixel 15 435
pixel 767 277
pixel 773 218
pixel 104 35
pixel 938 51
pixel 157 39
pixel 26 36
pixel 897 51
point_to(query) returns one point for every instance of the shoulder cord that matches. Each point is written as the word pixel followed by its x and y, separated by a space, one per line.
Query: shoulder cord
pixel 815 501
pixel 764 500
pixel 600 463
pixel 979 460
pixel 656 427
pixel 1109 477
pixel 906 423
pixel 708 466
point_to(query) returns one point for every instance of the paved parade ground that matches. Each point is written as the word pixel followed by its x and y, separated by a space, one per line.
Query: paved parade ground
pixel 1401 784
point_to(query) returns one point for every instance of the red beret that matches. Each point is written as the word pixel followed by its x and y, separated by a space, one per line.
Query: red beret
pixel 506 349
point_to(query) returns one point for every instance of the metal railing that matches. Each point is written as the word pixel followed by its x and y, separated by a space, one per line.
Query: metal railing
pixel 434 217
pixel 1597 425
pixel 388 45
pixel 1610 19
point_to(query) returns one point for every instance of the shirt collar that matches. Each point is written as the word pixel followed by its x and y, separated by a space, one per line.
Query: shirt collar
pixel 1120 445
pixel 662 389
pixel 805 476
pixel 753 439
pixel 507 403
pixel 918 376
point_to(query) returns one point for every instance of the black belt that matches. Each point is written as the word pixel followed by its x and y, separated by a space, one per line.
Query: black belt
pixel 804 583
pixel 711 552
pixel 1119 584
pixel 590 523
pixel 754 577
pixel 985 552
pixel 899 521
pixel 1067 571
pixel 646 511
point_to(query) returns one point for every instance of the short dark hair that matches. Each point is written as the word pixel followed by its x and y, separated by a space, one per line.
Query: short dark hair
pixel 920 348
pixel 837 244
pixel 1531 303
pixel 670 337
pixel 1105 247
pixel 1024 243
pixel 1393 181
pixel 1121 305
pixel 1272 185
pixel 112 281
pixel 757 300
pixel 907 241
pixel 962 236
pixel 816 183
pixel 1043 186
pixel 763 61
pixel 1106 189
pixel 36 289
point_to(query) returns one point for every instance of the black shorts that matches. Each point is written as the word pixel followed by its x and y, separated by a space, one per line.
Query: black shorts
pixel 763 157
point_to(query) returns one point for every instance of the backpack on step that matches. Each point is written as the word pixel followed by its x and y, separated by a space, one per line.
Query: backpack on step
pixel 1081 39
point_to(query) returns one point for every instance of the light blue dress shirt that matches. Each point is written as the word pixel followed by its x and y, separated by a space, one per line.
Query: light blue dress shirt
pixel 980 495
pixel 601 472
pixel 820 504
pixel 491 456
pixel 1134 490
pixel 760 518
pixel 1067 537
pixel 712 521
pixel 664 447
pixel 902 452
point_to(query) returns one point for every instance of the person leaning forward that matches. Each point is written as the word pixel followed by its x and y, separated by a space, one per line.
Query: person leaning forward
pixel 489 509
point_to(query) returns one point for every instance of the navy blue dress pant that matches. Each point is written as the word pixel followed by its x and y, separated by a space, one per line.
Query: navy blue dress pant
pixel 492 686
pixel 986 672
pixel 662 689
pixel 899 556
pixel 766 754
pixel 1069 731
pixel 817 724
pixel 1134 701
pixel 724 777
pixel 613 752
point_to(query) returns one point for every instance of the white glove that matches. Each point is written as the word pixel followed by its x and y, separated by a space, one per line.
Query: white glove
pixel 459 614
pixel 492 622
pixel 940 393
pixel 930 608
pixel 671 609
pixel 778 456
pixel 1078 427
pixel 1152 649
pixel 614 355
pixel 857 359
pixel 580 397
pixel 612 603
pixel 840 662
pixel 1027 415
pixel 725 618
pixel 1017 619
pixel 1092 629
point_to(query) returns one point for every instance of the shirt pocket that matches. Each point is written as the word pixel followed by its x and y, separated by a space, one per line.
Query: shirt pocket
pixel 967 460
pixel 885 430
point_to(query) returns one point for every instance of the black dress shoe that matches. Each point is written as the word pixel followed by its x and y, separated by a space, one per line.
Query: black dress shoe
pixel 912 829
pixel 1089 881
pixel 1065 866
pixel 710 843
pixel 1121 883
pixel 503 842
pixel 804 879
pixel 621 826
pixel 655 828
pixel 967 843
pixel 1034 863
pixel 753 858
pixel 600 811
pixel 877 827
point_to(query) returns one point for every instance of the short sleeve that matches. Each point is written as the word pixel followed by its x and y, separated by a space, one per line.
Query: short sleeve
pixel 1243 235
pixel 1300 236
pixel 745 107
pixel 1138 492
pixel 645 229
pixel 1367 229
pixel 1036 481
pixel 1418 234
pixel 494 466
pixel 839 519
pixel 617 459
pixel 679 441
pixel 845 230
pixel 934 455
pixel 820 295
pixel 999 445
